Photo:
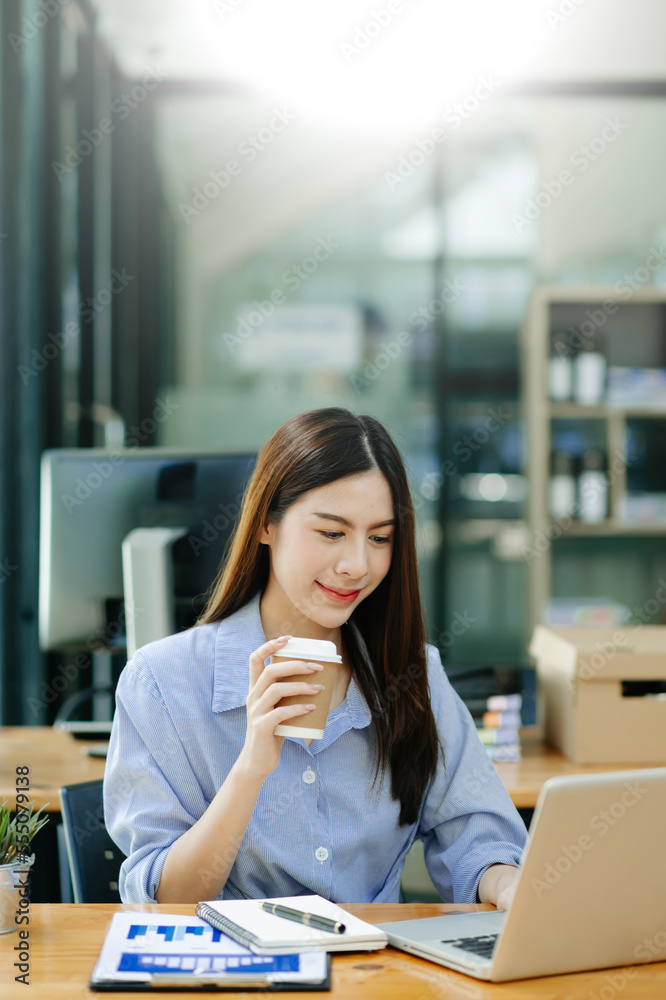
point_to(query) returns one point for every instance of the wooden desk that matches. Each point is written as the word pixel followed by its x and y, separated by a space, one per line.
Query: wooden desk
pixel 523 778
pixel 54 758
pixel 65 941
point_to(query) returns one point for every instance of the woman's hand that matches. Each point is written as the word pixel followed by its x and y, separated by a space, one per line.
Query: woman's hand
pixel 498 885
pixel 261 752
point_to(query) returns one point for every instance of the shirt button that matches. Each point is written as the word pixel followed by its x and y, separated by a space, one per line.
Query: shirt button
pixel 321 854
pixel 309 776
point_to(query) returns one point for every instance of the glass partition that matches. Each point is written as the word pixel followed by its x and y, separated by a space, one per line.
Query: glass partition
pixel 317 266
pixel 304 280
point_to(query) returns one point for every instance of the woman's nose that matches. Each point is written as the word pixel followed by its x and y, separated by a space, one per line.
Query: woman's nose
pixel 353 561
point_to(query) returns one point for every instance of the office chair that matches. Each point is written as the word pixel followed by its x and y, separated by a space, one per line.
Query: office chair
pixel 93 858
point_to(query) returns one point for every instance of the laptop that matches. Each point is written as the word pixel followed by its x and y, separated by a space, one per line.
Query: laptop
pixel 591 889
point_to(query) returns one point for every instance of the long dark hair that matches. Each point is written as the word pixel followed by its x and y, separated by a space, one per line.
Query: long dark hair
pixel 309 451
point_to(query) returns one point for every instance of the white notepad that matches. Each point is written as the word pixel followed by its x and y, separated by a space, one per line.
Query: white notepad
pixel 264 933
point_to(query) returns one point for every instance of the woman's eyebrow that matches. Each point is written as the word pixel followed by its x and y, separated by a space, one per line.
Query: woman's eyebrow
pixel 342 520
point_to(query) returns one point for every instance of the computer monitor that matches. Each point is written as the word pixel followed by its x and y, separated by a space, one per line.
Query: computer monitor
pixel 95 508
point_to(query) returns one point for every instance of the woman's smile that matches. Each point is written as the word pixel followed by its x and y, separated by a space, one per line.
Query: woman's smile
pixel 344 597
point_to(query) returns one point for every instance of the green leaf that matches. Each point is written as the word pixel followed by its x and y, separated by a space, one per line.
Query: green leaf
pixel 10 842
pixel 4 823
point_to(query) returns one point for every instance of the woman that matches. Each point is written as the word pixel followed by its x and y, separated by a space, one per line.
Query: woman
pixel 202 796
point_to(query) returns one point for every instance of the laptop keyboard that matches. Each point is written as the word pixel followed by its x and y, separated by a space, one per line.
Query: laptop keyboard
pixel 482 946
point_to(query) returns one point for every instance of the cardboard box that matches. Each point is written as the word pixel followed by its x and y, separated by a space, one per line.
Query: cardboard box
pixel 590 715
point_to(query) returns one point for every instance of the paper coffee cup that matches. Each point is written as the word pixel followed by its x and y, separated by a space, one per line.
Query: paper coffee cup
pixel 312 725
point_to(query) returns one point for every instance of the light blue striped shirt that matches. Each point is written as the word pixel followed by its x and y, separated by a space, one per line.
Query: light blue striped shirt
pixel 318 825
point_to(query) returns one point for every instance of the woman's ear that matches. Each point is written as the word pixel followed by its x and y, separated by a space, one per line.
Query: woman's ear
pixel 266 534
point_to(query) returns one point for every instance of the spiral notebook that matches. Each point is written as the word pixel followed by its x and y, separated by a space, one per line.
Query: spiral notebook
pixel 266 934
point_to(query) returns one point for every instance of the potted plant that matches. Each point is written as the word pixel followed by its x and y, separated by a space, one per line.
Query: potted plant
pixel 15 863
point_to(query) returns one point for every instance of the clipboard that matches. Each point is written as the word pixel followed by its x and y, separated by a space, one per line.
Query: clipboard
pixel 187 982
pixel 175 952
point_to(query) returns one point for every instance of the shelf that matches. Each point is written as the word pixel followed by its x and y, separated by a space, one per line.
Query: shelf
pixel 609 529
pixel 576 411
pixel 635 335
pixel 473 530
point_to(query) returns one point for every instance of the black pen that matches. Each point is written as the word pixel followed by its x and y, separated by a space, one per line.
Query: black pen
pixel 309 919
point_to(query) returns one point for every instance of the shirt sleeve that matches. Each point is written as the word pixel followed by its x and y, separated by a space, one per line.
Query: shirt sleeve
pixel 468 821
pixel 151 794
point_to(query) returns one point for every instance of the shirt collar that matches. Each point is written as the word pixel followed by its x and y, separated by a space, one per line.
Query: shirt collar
pixel 238 636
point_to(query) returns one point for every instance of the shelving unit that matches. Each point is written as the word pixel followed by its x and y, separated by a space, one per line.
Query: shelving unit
pixel 548 304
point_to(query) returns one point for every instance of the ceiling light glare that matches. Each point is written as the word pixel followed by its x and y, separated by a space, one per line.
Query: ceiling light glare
pixel 384 65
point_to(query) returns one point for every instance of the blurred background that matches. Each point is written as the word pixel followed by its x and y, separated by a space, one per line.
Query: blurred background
pixel 215 214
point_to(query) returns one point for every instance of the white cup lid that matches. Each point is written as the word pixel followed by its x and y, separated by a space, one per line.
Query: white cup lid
pixel 319 650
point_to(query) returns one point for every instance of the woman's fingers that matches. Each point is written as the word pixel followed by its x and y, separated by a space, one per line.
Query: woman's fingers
pixel 279 715
pixel 275 671
pixel 265 725
pixel 267 686
pixel 277 691
pixel 257 658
